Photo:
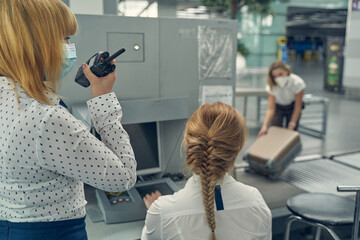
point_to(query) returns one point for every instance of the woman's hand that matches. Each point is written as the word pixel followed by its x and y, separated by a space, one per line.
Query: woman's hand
pixel 291 125
pixel 149 199
pixel 99 85
pixel 263 131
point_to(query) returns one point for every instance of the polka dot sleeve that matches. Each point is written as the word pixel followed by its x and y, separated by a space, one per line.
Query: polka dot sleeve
pixel 65 146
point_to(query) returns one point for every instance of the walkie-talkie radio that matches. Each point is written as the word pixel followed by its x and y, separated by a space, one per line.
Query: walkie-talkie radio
pixel 101 66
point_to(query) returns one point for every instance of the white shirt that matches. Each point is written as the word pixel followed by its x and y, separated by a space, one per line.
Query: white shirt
pixel 286 95
pixel 46 154
pixel 181 216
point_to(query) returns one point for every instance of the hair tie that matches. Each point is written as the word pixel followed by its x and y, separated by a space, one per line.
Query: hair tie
pixel 212 230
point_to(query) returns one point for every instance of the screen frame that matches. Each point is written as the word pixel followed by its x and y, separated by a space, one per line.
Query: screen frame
pixel 152 170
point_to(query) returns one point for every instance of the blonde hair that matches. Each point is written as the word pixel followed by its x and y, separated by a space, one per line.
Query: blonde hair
pixel 31 36
pixel 214 136
pixel 275 65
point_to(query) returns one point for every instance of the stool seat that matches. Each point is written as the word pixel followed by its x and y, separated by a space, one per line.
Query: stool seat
pixel 324 208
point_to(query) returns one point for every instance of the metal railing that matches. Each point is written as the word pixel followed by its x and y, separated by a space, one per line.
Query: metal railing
pixel 313 119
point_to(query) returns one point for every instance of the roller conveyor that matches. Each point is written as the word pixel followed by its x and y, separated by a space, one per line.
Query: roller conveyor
pixel 321 175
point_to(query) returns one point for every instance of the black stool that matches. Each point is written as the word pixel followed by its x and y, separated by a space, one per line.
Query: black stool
pixel 325 211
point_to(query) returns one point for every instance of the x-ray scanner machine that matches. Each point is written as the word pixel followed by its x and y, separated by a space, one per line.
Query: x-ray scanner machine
pixel 159 83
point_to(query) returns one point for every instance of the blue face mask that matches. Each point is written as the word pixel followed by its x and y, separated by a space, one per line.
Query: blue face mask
pixel 69 59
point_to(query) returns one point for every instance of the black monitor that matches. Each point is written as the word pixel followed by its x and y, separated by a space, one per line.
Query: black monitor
pixel 128 205
pixel 144 139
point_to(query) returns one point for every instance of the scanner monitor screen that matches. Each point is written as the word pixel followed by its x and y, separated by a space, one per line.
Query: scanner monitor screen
pixel 144 139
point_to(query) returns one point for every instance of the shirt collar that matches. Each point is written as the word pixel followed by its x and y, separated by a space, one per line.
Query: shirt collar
pixel 195 180
pixel 6 84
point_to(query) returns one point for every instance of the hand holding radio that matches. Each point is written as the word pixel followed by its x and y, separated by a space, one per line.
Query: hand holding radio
pixel 101 66
pixel 99 86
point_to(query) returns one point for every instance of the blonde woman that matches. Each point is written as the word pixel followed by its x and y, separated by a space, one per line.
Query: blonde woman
pixel 45 153
pixel 285 92
pixel 212 205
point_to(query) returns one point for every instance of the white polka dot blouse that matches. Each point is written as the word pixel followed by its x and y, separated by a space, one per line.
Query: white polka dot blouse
pixel 46 155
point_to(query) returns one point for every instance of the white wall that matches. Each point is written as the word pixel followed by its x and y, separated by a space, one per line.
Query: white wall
pixel 87 6
pixel 351 76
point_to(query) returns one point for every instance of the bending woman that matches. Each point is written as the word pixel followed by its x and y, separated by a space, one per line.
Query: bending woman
pixel 214 136
pixel 285 92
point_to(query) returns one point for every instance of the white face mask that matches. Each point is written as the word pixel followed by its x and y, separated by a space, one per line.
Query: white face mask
pixel 281 81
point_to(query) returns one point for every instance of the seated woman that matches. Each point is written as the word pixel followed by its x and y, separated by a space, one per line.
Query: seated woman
pixel 212 204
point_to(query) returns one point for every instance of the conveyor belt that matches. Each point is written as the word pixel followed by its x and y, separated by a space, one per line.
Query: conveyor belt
pixel 321 175
pixel 352 160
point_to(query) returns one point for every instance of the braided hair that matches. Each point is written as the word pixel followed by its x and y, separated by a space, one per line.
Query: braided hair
pixel 214 136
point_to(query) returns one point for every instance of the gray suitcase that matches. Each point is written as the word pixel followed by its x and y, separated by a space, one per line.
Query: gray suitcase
pixel 272 153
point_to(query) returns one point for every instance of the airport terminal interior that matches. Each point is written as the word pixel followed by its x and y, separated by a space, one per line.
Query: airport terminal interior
pixel 167 72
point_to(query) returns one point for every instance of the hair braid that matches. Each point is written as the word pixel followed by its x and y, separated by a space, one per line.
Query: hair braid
pixel 208 184
pixel 214 136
